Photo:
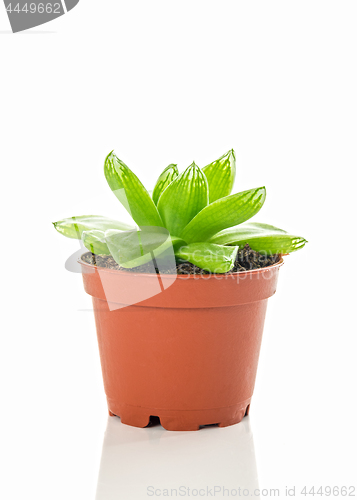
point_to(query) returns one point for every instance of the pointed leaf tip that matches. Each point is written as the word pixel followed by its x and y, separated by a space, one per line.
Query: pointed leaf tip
pixel 221 175
pixel 73 227
pixel 130 192
pixel 169 174
pixel 262 238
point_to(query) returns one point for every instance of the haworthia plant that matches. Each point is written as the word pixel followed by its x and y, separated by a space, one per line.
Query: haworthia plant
pixel 191 216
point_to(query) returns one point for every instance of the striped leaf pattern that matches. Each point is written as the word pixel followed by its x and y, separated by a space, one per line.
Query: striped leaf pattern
pixel 223 213
pixel 183 199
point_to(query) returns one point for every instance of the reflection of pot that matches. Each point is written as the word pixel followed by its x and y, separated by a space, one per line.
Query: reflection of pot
pixel 189 354
pixel 136 460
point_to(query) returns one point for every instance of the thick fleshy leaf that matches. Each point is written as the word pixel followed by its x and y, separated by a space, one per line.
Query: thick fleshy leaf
pixel 208 256
pixel 223 213
pixel 262 238
pixel 73 227
pixel 220 176
pixel 95 242
pixel 135 248
pixel 183 199
pixel 168 175
pixel 131 192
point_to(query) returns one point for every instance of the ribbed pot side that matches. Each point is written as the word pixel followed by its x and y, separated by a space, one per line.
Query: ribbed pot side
pixel 188 354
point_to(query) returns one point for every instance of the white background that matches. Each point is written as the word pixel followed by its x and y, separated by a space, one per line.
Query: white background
pixel 164 82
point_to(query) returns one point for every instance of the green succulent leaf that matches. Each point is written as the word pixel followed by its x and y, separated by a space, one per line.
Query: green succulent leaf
pixel 183 199
pixel 94 241
pixel 73 227
pixel 130 192
pixel 135 248
pixel 262 238
pixel 224 213
pixel 166 177
pixel 209 256
pixel 220 176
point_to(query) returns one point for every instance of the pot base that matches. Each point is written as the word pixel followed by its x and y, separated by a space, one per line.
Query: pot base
pixel 180 420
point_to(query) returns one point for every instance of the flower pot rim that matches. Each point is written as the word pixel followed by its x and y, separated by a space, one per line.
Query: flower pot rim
pixel 182 276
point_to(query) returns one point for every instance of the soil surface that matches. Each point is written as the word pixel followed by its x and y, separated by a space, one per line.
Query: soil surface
pixel 246 260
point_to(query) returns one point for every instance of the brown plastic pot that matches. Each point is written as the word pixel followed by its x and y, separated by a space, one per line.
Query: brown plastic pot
pixel 187 355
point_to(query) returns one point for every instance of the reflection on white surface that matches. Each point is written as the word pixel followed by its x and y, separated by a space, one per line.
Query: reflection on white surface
pixel 152 462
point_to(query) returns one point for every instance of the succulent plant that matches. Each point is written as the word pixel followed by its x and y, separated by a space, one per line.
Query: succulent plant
pixel 192 214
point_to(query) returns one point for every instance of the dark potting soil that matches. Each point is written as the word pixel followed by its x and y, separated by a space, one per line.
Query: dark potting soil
pixel 246 260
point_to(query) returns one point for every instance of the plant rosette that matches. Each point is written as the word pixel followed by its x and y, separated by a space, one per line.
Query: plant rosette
pixel 181 347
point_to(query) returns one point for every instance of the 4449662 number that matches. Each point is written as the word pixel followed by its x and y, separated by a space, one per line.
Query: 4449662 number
pixel 335 491
pixel 39 8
